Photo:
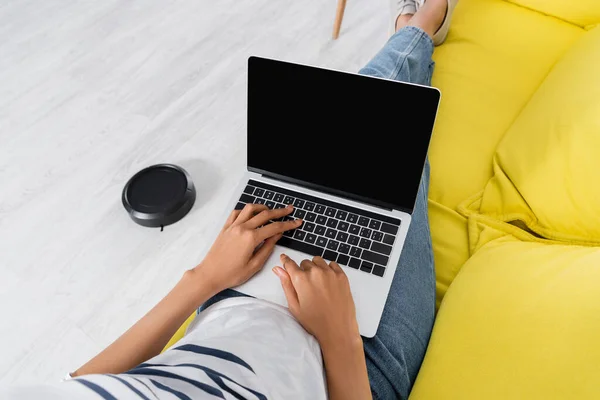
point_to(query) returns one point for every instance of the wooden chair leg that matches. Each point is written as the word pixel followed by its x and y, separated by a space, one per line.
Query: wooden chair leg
pixel 339 15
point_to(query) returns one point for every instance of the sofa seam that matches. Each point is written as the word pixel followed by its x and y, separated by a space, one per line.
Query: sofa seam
pixel 546 14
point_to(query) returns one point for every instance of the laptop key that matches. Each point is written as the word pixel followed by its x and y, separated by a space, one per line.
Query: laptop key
pixel 344 248
pixel 330 233
pixel 354 229
pixel 374 257
pixel 353 218
pixel 342 236
pixel 288 233
pixel 333 245
pixel 309 227
pixel 298 213
pixel 288 200
pixel 299 203
pixel 258 200
pixel 377 236
pixel 270 204
pixel 381 248
pixel 279 205
pixel 330 212
pixel 310 217
pixel 374 224
pixel 259 192
pixel 249 189
pixel 366 266
pixel 321 241
pixel 239 206
pixel 300 246
pixel 353 240
pixel 269 195
pixel 387 228
pixel 299 234
pixel 320 230
pixel 378 270
pixel 246 198
pixel 330 255
pixel 278 197
pixel 310 238
pixel 331 223
pixel 363 221
pixel 309 206
pixel 355 252
pixel 354 263
pixel 388 239
pixel 321 220
pixel 365 232
pixel 343 226
pixel 341 215
pixel 320 209
pixel 343 259
pixel 365 243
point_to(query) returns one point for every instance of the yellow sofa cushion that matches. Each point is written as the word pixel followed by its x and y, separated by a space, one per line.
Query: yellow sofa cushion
pixel 496 56
pixel 180 332
pixel 521 321
pixel 451 249
pixel 583 13
pixel 547 167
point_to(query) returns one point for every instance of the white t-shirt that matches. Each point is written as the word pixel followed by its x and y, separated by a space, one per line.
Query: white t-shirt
pixel 239 348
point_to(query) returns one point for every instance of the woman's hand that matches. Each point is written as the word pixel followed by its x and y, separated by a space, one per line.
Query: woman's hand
pixel 319 297
pixel 237 253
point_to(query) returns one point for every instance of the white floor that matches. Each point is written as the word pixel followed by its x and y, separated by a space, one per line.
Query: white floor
pixel 91 92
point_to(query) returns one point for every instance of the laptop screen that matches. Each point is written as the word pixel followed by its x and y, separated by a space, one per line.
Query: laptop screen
pixel 346 134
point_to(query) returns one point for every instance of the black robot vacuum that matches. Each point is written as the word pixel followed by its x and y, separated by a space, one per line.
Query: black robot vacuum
pixel 159 195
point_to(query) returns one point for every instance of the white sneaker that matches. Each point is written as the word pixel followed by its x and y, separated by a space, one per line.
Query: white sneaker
pixel 442 32
pixel 401 7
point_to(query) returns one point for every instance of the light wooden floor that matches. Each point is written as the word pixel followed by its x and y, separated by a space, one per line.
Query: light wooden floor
pixel 91 92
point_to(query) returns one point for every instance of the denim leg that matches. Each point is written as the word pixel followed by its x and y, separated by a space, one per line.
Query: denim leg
pixel 395 354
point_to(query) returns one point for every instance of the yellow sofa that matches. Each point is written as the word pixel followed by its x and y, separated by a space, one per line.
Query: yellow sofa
pixel 515 204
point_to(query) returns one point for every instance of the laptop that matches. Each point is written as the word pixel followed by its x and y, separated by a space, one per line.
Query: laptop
pixel 348 152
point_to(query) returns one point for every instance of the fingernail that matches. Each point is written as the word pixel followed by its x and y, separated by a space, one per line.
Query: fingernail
pixel 276 271
pixel 299 221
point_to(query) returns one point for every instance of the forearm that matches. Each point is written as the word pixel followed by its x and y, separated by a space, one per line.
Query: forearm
pixel 346 369
pixel 150 334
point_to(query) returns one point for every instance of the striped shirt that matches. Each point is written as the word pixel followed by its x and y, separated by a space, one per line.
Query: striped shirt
pixel 239 348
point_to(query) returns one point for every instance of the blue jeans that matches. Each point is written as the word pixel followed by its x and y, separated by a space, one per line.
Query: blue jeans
pixel 395 353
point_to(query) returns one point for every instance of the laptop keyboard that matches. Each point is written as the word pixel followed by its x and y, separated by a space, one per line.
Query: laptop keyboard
pixel 352 237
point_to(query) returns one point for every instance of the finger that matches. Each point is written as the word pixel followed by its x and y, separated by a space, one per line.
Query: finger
pixel 275 228
pixel 231 219
pixel 265 216
pixel 288 288
pixel 260 257
pixel 320 262
pixel 249 211
pixel 290 266
pixel 336 267
pixel 306 265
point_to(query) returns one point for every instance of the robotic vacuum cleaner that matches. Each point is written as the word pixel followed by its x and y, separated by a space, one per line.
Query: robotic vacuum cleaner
pixel 159 195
